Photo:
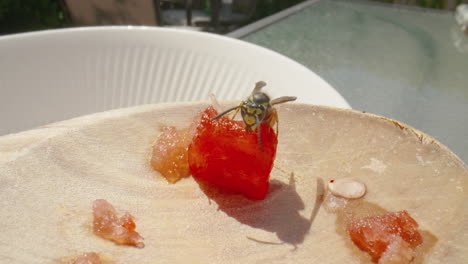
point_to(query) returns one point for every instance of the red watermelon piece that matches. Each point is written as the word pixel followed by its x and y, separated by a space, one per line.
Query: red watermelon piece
pixel 224 154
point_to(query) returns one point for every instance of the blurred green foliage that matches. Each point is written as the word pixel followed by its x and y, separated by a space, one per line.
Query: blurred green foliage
pixel 28 15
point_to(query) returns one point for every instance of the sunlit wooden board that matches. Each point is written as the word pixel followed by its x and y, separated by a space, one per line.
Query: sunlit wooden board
pixel 50 176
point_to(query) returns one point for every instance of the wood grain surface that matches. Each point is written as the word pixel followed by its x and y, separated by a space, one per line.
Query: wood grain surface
pixel 50 176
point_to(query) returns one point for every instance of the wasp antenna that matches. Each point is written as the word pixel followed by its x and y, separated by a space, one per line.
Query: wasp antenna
pixel 225 112
pixel 258 86
pixel 283 99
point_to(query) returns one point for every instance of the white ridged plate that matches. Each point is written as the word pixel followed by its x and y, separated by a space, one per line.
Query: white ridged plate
pixel 56 75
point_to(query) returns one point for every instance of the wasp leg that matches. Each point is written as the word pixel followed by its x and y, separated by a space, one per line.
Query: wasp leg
pixel 259 132
pixel 225 112
pixel 237 110
pixel 277 126
pixel 283 99
pixel 273 120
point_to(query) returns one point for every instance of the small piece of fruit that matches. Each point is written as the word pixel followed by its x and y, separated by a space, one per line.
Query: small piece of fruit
pixel 347 188
pixel 107 225
pixel 224 154
pixel 169 155
pixel 374 234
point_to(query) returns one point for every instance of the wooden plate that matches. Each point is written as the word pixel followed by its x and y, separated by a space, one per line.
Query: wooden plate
pixel 50 176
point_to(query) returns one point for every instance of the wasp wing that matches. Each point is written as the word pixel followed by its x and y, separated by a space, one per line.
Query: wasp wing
pixel 283 99
pixel 258 86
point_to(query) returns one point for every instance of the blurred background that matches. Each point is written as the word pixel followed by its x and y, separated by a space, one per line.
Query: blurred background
pixel 403 59
pixel 219 16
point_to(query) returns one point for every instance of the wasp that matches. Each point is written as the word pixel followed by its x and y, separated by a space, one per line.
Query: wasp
pixel 258 109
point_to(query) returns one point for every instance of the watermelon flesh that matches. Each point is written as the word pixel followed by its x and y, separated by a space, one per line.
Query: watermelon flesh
pixel 223 153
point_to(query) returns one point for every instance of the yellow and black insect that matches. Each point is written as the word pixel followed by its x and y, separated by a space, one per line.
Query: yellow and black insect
pixel 258 109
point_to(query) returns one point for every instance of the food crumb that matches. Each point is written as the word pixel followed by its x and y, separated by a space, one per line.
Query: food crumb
pixel 107 225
